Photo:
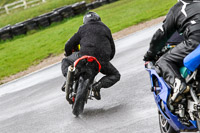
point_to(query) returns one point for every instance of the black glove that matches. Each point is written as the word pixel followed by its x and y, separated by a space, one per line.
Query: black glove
pixel 149 56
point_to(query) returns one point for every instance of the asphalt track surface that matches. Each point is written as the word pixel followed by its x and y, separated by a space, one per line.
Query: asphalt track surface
pixel 35 103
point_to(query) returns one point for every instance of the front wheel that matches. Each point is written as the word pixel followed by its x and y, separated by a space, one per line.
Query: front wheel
pixel 81 96
pixel 165 127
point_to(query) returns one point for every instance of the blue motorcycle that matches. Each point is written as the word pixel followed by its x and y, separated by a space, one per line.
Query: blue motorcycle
pixel 183 115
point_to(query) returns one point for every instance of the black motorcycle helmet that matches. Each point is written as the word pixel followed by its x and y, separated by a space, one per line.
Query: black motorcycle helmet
pixel 91 16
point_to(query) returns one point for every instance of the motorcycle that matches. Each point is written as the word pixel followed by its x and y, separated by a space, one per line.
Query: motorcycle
pixel 79 80
pixel 184 114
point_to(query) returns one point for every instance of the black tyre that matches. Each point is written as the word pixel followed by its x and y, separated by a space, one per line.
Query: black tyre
pixel 165 127
pixel 81 97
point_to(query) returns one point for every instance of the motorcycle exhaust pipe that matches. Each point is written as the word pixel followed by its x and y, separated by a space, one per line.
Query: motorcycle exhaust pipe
pixel 69 81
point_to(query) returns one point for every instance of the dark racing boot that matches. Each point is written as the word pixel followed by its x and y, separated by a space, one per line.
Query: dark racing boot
pixel 96 89
pixel 179 87
pixel 63 87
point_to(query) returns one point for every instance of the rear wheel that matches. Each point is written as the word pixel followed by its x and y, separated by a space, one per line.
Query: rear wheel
pixel 81 96
pixel 165 127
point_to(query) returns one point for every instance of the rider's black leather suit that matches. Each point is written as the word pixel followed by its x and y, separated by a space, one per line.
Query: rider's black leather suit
pixel 183 17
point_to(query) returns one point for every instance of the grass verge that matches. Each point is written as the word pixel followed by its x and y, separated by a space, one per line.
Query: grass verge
pixel 23 51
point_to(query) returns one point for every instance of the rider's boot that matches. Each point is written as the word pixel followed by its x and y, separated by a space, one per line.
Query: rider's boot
pixel 178 88
pixel 96 89
pixel 63 87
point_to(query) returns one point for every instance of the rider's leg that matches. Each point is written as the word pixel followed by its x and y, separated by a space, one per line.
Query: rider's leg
pixel 64 66
pixel 112 75
pixel 66 62
pixel 170 63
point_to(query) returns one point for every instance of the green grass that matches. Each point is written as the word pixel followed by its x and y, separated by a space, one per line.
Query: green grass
pixel 21 15
pixel 3 2
pixel 22 52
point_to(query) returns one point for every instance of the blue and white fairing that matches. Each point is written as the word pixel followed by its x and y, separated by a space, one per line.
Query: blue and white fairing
pixel 161 94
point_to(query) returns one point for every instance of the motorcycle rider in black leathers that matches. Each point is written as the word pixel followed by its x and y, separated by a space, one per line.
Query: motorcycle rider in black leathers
pixel 96 40
pixel 183 17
